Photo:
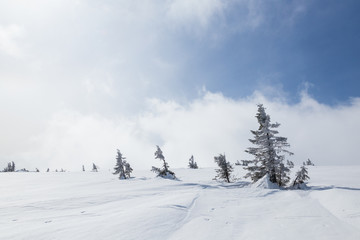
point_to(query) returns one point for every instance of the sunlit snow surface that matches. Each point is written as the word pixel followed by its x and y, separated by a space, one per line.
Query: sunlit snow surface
pixel 87 205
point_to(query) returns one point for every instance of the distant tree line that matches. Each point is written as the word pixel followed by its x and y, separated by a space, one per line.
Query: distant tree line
pixel 269 161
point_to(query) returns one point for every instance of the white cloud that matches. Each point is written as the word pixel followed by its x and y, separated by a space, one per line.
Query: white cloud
pixel 256 15
pixel 86 68
pixel 207 126
pixel 8 37
pixel 195 13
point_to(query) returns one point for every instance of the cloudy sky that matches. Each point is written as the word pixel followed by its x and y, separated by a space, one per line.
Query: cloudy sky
pixel 81 78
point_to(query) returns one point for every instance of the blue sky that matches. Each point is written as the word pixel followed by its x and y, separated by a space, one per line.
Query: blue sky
pixel 317 45
pixel 172 49
pixel 81 78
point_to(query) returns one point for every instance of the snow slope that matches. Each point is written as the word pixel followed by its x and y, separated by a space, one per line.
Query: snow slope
pixel 87 205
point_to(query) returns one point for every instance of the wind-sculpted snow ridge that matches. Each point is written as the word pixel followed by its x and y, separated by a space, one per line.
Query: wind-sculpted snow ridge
pixel 97 205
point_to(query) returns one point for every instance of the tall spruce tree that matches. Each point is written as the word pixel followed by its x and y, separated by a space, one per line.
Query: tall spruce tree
pixel 122 167
pixel 164 171
pixel 268 152
pixel 192 163
pixel 225 168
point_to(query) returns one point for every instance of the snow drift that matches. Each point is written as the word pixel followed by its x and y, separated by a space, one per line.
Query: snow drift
pixel 97 205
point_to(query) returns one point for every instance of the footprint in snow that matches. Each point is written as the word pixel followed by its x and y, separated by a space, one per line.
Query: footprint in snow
pixel 48 221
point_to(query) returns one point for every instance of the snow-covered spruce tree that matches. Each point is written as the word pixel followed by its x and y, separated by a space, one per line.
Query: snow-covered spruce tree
pixel 192 163
pixel 164 171
pixel 83 168
pixel 95 168
pixel 268 151
pixel 282 174
pixel 245 162
pixel 225 168
pixel 309 162
pixel 128 169
pixel 301 177
pixel 10 167
pixel 122 167
pixel 290 164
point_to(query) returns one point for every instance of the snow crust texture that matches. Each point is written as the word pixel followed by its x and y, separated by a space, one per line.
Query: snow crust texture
pixel 97 205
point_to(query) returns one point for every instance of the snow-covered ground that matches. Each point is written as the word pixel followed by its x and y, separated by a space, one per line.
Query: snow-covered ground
pixel 87 205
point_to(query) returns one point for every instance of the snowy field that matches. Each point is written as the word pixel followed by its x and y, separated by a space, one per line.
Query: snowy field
pixel 87 205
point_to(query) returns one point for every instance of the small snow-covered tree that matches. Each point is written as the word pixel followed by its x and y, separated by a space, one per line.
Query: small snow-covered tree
pixel 192 163
pixel 309 162
pixel 95 168
pixel 245 162
pixel 10 167
pixel 164 171
pixel 119 167
pixel 37 170
pixel 282 174
pixel 83 168
pixel 268 151
pixel 122 167
pixel 301 177
pixel 128 169
pixel 48 170
pixel 290 164
pixel 225 168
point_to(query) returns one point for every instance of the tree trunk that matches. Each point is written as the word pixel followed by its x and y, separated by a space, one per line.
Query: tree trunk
pixel 166 170
pixel 227 176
